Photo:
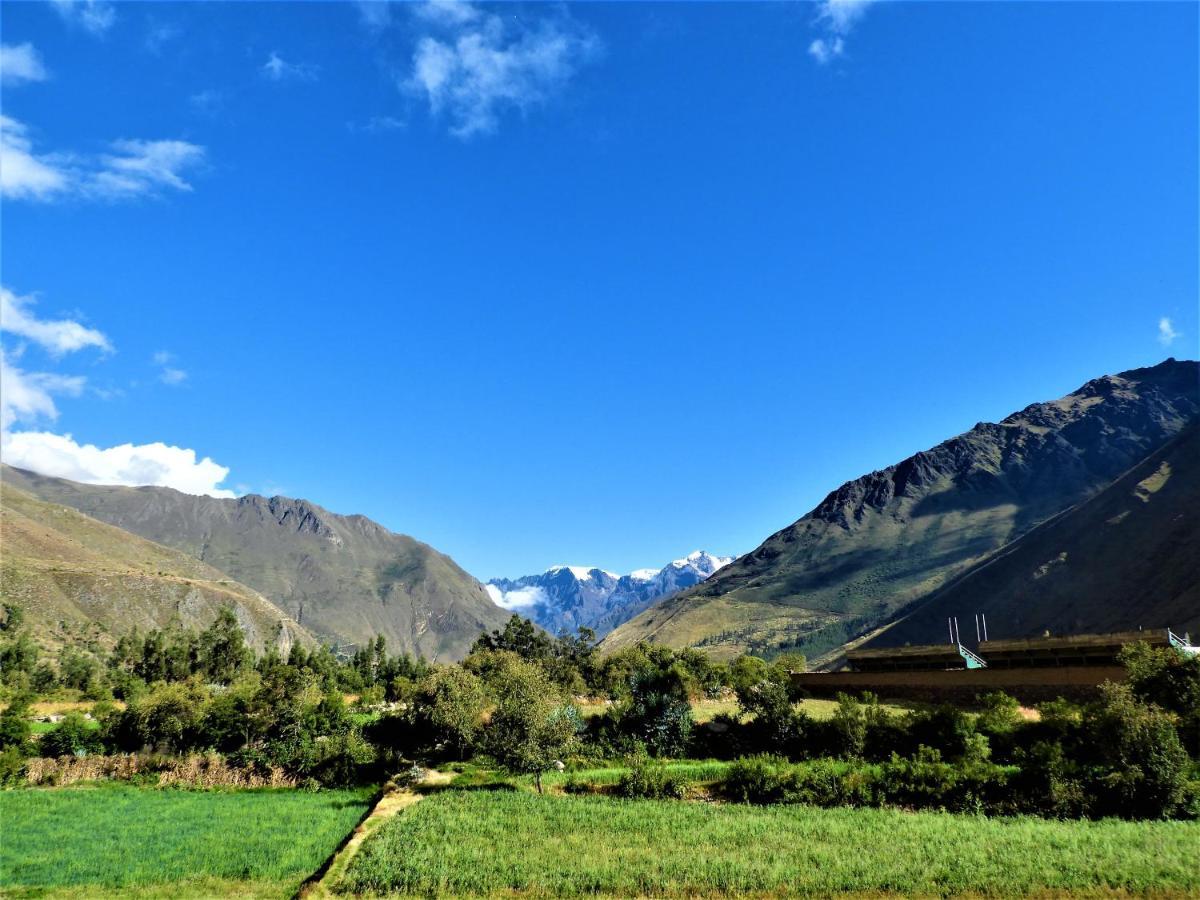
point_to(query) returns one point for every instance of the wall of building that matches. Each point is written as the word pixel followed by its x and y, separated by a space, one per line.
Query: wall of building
pixel 1029 685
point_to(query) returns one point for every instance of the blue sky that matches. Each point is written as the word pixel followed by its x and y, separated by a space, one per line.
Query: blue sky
pixel 593 284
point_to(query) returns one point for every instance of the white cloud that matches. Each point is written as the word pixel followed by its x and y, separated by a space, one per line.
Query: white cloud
pixel 276 68
pixel 520 598
pixel 836 18
pixel 479 64
pixel 24 176
pixel 172 376
pixel 132 168
pixel 841 15
pixel 823 50
pixel 29 396
pixel 137 168
pixel 1166 332
pixel 128 464
pixel 93 16
pixel 59 336
pixel 20 62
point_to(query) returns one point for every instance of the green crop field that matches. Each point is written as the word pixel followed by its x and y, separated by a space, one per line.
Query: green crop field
pixel 89 841
pixel 473 843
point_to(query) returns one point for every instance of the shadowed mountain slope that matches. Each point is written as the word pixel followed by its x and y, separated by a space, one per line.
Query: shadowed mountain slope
pixel 1127 557
pixel 883 541
pixel 75 577
pixel 345 578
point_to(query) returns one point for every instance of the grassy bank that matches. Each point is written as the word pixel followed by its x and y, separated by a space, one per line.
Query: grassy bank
pixel 494 842
pixel 87 841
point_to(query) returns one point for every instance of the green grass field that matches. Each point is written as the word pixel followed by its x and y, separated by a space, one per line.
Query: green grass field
pixel 110 839
pixel 478 843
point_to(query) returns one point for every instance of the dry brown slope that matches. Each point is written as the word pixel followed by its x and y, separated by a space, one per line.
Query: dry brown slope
pixel 345 578
pixel 75 577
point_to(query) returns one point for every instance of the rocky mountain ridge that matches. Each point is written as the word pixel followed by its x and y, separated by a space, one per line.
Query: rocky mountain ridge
pixel 884 541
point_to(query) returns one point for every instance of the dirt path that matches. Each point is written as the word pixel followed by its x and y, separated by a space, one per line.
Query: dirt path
pixel 389 805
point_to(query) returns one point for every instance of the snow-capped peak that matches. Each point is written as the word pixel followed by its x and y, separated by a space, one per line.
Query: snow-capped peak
pixel 644 574
pixel 702 561
pixel 581 573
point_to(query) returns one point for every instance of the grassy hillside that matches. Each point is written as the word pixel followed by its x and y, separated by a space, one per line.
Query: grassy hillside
pixel 345 578
pixel 75 577
pixel 888 539
pixel 1128 556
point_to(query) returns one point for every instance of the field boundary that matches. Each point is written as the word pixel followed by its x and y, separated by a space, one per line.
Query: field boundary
pixel 388 804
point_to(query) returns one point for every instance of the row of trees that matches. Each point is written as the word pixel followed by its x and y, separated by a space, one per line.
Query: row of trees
pixel 514 700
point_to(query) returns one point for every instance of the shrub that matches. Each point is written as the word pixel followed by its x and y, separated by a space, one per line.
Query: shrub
pixel 758 779
pixel 650 781
pixel 73 736
pixel 1142 763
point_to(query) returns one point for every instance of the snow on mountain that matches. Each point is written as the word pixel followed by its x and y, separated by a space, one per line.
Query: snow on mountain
pixel 566 598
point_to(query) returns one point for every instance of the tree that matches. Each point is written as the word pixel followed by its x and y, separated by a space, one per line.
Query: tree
pixel 658 711
pixel 450 703
pixel 1142 764
pixel 14 724
pixel 223 652
pixel 533 725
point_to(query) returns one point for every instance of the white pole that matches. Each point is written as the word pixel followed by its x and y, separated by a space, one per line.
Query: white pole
pixel 957 633
pixel 984 625
pixel 977 628
pixel 950 625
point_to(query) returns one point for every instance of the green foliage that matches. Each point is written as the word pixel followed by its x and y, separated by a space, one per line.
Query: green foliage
pixel 533 726
pixel 1143 765
pixel 14 724
pixel 1170 679
pixel 74 735
pixel 450 703
pixel 647 779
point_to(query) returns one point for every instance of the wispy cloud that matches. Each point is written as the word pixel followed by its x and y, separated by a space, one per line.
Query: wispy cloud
pixel 835 19
pixel 29 396
pixel 1167 335
pixel 24 175
pixel 207 102
pixel 168 371
pixel 159 34
pixel 20 63
pixel 375 14
pixel 130 168
pixel 471 65
pixel 28 400
pixel 58 336
pixel 377 125
pixel 276 68
pixel 93 16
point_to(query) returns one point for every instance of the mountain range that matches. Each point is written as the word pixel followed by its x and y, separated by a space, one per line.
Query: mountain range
pixel 1075 514
pixel 884 543
pixel 78 580
pixel 1125 558
pixel 567 598
pixel 345 579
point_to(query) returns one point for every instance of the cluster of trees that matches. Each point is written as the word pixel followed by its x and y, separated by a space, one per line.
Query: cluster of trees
pixel 515 697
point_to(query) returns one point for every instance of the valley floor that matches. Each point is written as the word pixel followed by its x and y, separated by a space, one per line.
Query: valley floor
pixel 482 835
